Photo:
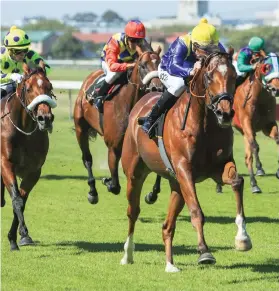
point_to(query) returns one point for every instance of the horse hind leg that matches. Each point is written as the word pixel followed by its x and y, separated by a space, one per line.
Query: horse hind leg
pixel 3 201
pixel 82 134
pixel 272 131
pixel 249 163
pixel 176 204
pixel 151 197
pixel 112 183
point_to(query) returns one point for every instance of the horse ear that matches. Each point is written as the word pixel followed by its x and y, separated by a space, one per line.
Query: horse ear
pixel 159 49
pixel 231 51
pixel 139 50
pixel 26 69
pixel 42 65
pixel 262 53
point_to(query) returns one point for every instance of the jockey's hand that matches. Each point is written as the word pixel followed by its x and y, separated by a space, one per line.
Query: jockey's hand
pixel 130 65
pixel 16 77
pixel 197 66
pixel 255 66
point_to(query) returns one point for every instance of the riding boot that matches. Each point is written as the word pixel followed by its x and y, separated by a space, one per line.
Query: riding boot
pixel 99 100
pixel 165 101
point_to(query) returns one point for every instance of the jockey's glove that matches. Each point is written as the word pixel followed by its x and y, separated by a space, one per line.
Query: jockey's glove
pixel 16 77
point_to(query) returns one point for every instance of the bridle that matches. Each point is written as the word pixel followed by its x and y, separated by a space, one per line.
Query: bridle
pixel 214 99
pixel 141 73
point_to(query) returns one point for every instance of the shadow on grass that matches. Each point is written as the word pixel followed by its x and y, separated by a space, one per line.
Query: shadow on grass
pixel 60 177
pixel 139 247
pixel 213 219
pixel 271 266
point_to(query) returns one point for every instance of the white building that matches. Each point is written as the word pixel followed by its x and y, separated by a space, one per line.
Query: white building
pixel 189 12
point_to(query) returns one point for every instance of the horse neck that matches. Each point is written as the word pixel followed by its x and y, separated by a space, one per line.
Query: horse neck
pixel 133 88
pixel 257 90
pixel 19 115
pixel 197 111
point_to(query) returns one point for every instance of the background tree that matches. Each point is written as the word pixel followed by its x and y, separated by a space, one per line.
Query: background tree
pixel 48 24
pixel 111 17
pixel 67 47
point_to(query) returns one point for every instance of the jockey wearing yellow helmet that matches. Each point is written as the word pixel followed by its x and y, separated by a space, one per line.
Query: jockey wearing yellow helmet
pixel 179 62
pixel 14 53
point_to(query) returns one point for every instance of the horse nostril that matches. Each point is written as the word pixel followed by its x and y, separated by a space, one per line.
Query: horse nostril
pixel 218 112
pixel 40 118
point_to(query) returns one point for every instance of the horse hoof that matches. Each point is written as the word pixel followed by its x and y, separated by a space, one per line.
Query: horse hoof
pixel 150 198
pixel 3 202
pixel 260 172
pixel 219 189
pixel 26 241
pixel 93 199
pixel 125 261
pixel 105 181
pixel 206 259
pixel 256 190
pixel 170 268
pixel 115 190
pixel 277 174
pixel 14 246
pixel 243 245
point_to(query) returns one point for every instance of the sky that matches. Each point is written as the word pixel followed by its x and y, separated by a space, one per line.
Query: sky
pixel 12 10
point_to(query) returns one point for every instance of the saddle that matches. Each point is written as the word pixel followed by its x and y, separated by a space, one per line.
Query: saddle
pixel 92 91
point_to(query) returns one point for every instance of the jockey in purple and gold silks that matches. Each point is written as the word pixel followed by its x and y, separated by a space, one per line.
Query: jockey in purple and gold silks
pixel 14 53
pixel 179 62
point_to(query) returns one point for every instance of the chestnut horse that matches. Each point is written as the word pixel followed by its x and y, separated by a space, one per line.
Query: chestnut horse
pixel 203 149
pixel 25 119
pixel 255 110
pixel 87 118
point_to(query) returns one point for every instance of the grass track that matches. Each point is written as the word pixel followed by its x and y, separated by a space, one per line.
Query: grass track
pixel 79 246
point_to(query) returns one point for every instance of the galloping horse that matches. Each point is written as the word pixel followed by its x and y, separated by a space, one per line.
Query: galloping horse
pixel 88 120
pixel 255 110
pixel 25 119
pixel 203 149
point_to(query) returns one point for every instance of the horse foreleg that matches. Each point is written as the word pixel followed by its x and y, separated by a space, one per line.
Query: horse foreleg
pixel 151 197
pixel 3 202
pixel 188 189
pixel 10 182
pixel 135 180
pixel 231 177
pixel 249 144
pixel 272 131
pixel 260 170
pixel 82 135
pixel 113 162
pixel 176 204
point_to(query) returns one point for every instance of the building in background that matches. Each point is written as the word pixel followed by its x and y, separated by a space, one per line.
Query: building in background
pixel 189 13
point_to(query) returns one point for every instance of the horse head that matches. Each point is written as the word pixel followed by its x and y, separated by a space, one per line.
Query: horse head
pixel 145 72
pixel 35 94
pixel 267 72
pixel 216 81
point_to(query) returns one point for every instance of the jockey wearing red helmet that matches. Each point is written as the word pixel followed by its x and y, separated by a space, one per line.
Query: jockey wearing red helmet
pixel 118 55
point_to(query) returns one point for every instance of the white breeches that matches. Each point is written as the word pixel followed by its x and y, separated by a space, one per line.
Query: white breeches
pixel 237 71
pixel 175 85
pixel 110 76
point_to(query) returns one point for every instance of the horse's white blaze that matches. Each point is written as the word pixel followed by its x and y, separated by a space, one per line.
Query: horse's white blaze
pixel 222 69
pixel 241 233
pixel 40 82
pixel 129 247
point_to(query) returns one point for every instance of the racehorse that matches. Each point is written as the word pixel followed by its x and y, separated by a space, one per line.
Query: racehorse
pixel 26 118
pixel 203 149
pixel 255 110
pixel 113 123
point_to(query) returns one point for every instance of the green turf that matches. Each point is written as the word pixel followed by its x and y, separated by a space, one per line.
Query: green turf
pixel 72 74
pixel 79 246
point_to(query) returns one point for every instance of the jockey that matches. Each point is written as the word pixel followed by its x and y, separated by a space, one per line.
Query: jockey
pixel 14 53
pixel 180 62
pixel 118 56
pixel 255 46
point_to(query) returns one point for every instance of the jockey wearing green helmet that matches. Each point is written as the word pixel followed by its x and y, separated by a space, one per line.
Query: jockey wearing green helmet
pixel 14 53
pixel 255 45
